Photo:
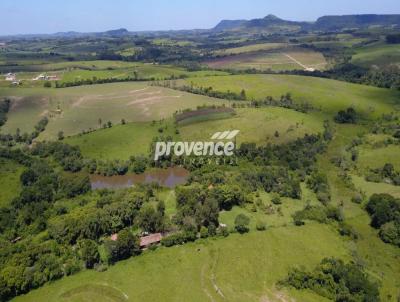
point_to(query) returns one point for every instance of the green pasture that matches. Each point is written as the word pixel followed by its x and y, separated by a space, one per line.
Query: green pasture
pixel 286 59
pixel 257 125
pixel 378 54
pixel 249 48
pixel 121 141
pixel 192 272
pixel 379 259
pixel 373 158
pixel 9 180
pixel 328 95
pixel 370 188
pixel 281 215
pixel 76 109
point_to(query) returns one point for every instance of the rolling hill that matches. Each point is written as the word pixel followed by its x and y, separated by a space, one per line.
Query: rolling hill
pixel 324 23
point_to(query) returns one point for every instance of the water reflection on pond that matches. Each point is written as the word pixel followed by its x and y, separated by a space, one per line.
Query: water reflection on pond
pixel 170 178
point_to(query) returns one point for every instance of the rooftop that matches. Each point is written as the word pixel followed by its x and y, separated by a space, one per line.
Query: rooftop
pixel 150 239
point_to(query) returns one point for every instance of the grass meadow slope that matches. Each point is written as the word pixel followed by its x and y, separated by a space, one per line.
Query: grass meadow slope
pixel 311 152
pixel 76 109
pixel 327 95
pixel 191 272
pixel 261 258
pixel 9 180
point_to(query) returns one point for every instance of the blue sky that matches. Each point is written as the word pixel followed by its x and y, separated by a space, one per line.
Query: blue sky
pixel 49 16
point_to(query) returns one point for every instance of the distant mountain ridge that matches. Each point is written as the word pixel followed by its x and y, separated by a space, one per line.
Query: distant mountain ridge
pixel 356 21
pixel 322 23
pixel 229 24
pixel 117 32
pixel 272 20
pixel 270 23
pixel 266 22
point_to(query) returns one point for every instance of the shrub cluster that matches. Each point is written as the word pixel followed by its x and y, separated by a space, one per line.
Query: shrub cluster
pixel 335 280
pixel 384 210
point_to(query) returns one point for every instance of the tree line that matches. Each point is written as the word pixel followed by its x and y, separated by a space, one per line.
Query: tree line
pixel 384 210
pixel 4 108
pixel 95 80
pixel 335 280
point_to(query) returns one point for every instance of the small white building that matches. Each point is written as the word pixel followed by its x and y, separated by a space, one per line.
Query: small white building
pixel 11 76
pixel 40 77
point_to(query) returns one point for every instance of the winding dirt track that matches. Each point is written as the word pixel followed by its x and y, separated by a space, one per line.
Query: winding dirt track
pixel 294 60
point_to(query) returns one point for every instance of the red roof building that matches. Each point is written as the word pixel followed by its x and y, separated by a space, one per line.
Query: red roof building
pixel 150 239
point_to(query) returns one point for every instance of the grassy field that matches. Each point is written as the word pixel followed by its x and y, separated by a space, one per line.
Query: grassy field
pixel 336 44
pixel 378 54
pixel 370 188
pixel 286 59
pixel 264 256
pixel 9 180
pixel 277 218
pixel 86 65
pixel 171 42
pixel 372 158
pixel 121 141
pixel 205 117
pixel 192 271
pixel 83 70
pixel 257 125
pixel 38 66
pixel 82 107
pixel 329 95
pixel 379 259
pixel 249 48
pixel 168 196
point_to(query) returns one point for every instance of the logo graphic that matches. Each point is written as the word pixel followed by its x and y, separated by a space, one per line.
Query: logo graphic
pixel 221 145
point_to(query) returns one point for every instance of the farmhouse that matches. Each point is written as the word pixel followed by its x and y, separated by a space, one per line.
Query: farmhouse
pixel 44 77
pixel 39 77
pixel 52 78
pixel 146 241
pixel 11 77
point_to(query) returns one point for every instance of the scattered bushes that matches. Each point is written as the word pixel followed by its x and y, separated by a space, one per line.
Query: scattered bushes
pixel 393 39
pixel 242 223
pixel 347 230
pixel 89 252
pixel 4 108
pixel 384 174
pixel 335 280
pixel 95 80
pixel 321 214
pixel 125 246
pixel 208 91
pixel 178 238
pixel 384 210
pixel 390 232
pixel 261 225
pixel 318 182
pixel 348 116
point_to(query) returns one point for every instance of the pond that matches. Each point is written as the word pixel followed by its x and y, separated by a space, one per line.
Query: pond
pixel 170 178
